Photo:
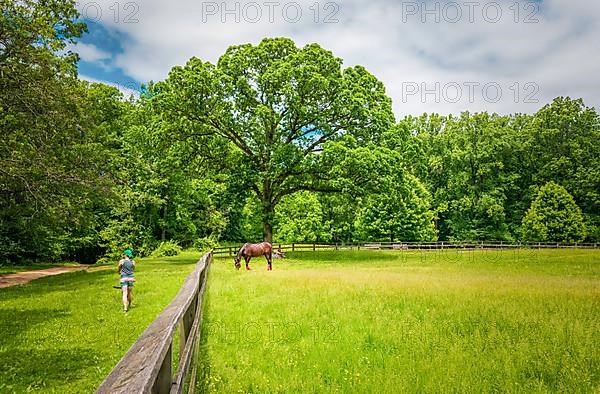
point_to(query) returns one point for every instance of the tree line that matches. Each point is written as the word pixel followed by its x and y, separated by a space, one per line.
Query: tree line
pixel 272 142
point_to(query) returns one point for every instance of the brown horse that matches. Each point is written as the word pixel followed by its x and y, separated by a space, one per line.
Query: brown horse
pixel 253 250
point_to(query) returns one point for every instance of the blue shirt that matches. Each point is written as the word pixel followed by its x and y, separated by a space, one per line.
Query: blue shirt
pixel 127 268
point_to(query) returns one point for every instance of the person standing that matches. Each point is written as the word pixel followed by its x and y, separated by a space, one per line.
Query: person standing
pixel 126 268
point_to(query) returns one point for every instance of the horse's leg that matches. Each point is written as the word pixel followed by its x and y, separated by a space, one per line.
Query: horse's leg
pixel 247 258
pixel 269 258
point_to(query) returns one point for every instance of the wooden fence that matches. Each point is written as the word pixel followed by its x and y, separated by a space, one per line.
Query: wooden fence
pixel 440 245
pixel 147 365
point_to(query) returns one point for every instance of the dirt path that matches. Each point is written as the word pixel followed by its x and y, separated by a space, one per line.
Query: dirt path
pixel 27 276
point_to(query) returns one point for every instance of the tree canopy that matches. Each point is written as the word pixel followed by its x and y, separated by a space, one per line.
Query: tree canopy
pixel 279 105
pixel 273 141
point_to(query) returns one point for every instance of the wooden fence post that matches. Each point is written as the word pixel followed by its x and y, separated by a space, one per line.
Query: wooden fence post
pixel 186 324
pixel 183 334
pixel 292 246
pixel 165 376
pixel 314 246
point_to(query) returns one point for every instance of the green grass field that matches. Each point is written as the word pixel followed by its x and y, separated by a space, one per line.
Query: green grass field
pixel 64 334
pixel 389 322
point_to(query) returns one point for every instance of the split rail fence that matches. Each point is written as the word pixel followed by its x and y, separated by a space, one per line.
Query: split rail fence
pixel 441 245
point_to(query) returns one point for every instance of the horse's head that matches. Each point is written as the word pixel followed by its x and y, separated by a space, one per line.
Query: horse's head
pixel 237 262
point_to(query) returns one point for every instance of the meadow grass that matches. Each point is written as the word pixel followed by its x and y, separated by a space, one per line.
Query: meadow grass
pixel 404 321
pixel 65 333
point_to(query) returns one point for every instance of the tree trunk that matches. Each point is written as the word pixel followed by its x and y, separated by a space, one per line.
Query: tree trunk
pixel 268 232
pixel 163 233
pixel 268 214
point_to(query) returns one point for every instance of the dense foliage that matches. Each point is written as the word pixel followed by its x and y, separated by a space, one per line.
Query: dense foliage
pixel 273 141
pixel 53 154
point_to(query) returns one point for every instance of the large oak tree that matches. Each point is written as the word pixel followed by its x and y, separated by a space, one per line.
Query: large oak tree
pixel 279 105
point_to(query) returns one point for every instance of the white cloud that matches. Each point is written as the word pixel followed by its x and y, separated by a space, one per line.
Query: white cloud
pixel 89 52
pixel 557 55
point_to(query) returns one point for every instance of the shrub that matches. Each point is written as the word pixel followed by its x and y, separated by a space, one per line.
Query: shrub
pixel 168 248
pixel 206 243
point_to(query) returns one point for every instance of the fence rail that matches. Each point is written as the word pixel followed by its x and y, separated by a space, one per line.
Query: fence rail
pixel 232 250
pixel 147 365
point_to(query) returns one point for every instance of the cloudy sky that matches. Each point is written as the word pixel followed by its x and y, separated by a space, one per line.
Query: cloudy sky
pixel 433 56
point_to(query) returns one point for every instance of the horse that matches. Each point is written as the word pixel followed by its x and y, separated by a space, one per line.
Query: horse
pixel 253 250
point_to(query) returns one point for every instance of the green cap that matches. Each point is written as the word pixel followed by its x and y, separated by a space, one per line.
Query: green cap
pixel 128 253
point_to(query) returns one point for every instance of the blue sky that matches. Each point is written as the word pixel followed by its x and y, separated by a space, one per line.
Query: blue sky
pixel 98 49
pixel 433 56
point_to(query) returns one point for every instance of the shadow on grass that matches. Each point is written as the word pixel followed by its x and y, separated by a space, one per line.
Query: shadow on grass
pixel 25 370
pixel 25 367
pixel 14 323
